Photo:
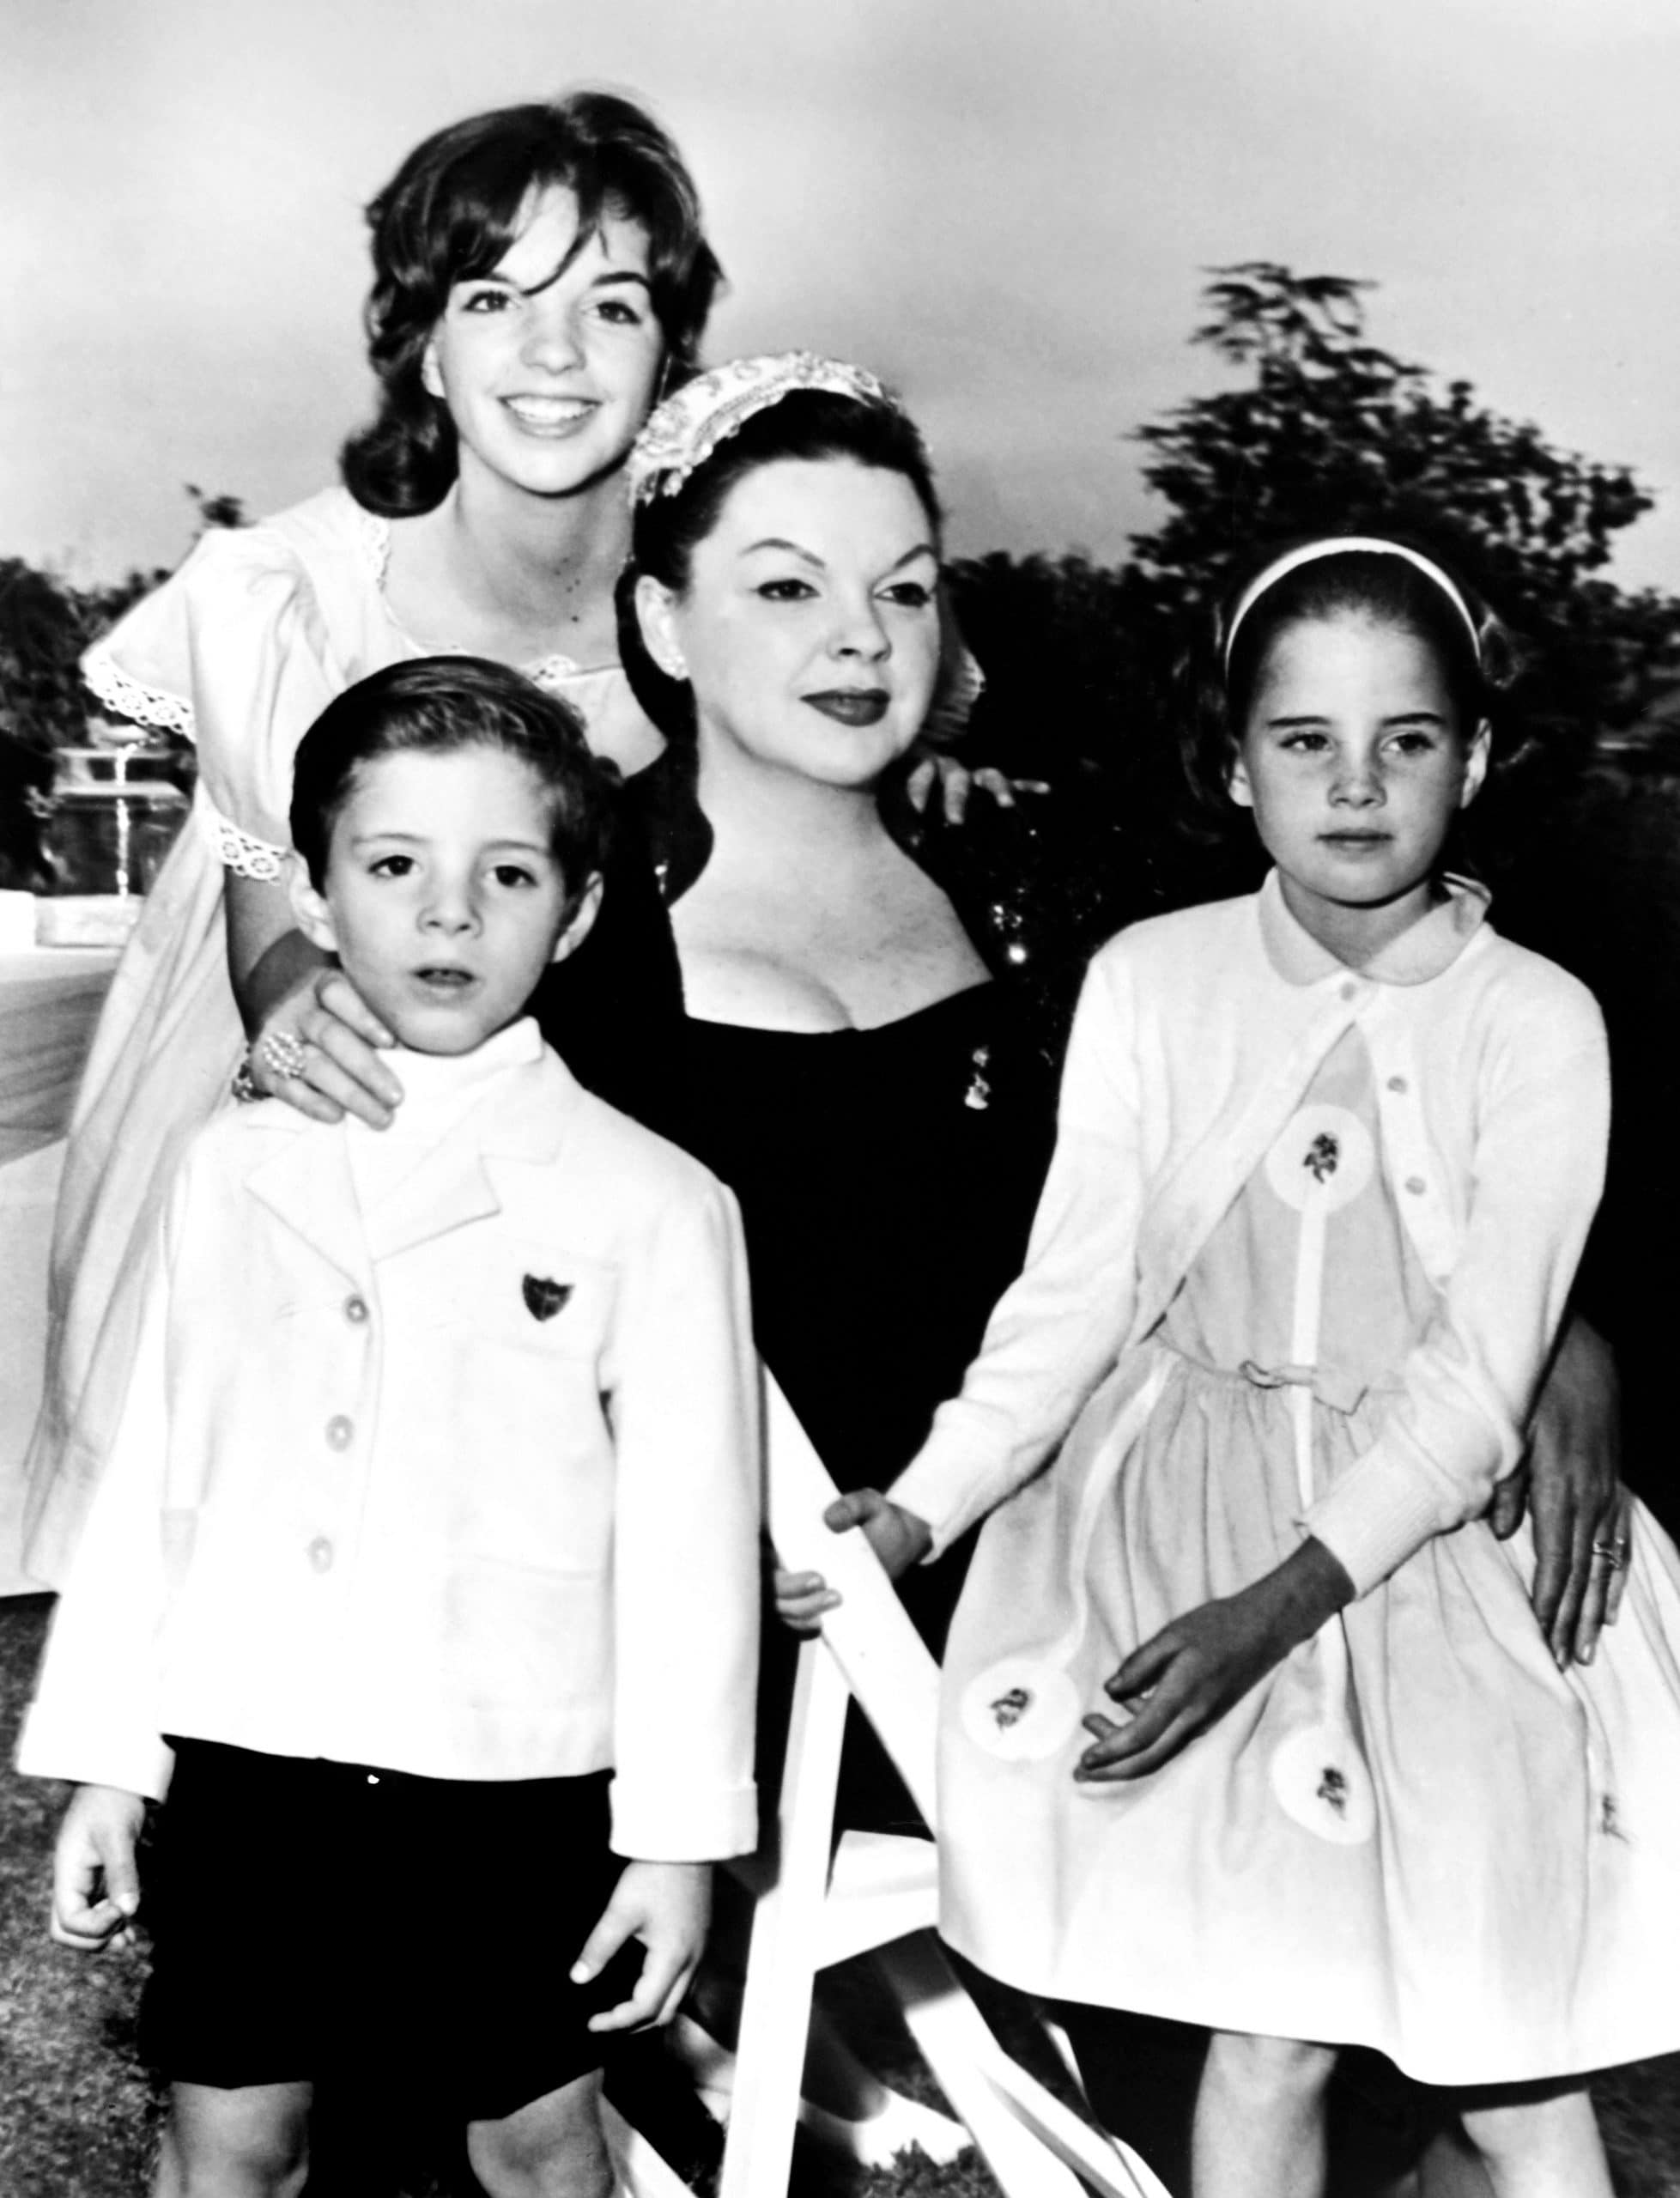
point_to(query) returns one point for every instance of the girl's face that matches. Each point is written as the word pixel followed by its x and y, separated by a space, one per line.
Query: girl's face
pixel 1355 764
pixel 810 627
pixel 443 900
pixel 549 364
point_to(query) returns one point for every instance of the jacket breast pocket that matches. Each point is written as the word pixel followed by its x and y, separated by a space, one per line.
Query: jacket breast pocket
pixel 511 1336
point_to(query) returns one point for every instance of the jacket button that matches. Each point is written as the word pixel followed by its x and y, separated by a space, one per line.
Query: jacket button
pixel 320 1554
pixel 355 1310
pixel 1398 1083
pixel 339 1432
pixel 1417 1186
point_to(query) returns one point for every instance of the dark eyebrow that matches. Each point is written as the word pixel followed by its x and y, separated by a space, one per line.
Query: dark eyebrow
pixel 810 557
pixel 420 839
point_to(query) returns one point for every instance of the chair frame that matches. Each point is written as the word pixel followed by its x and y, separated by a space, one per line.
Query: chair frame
pixel 880 1893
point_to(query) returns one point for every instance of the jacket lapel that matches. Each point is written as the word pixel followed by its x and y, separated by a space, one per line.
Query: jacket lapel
pixel 306 1185
pixel 524 1119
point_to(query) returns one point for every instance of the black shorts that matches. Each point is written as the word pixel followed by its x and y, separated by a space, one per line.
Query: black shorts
pixel 316 1920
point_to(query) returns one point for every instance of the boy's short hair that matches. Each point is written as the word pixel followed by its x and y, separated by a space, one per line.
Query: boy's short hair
pixel 437 705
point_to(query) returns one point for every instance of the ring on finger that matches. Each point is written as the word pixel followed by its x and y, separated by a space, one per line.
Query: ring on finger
pixel 1611 1555
pixel 284 1053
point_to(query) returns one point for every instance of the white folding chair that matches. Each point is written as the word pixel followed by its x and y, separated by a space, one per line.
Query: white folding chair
pixel 881 1893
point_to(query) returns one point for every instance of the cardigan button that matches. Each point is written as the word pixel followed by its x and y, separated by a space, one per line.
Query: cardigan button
pixel 320 1554
pixel 1417 1186
pixel 355 1310
pixel 1350 990
pixel 340 1432
pixel 1398 1083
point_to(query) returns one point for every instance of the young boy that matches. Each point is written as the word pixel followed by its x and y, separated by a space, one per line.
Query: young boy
pixel 424 1577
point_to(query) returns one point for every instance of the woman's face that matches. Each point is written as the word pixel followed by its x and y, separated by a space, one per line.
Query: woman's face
pixel 549 364
pixel 810 627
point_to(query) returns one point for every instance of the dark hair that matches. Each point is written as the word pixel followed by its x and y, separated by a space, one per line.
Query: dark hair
pixel 1224 673
pixel 451 212
pixel 438 705
pixel 808 424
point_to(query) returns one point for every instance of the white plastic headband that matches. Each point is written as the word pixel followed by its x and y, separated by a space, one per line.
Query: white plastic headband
pixel 1335 545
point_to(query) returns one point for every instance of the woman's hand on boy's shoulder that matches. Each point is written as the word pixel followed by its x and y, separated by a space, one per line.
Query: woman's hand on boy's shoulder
pixel 667 1906
pixel 96 1880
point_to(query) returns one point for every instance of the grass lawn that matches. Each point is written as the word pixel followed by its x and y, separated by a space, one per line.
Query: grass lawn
pixel 78 2116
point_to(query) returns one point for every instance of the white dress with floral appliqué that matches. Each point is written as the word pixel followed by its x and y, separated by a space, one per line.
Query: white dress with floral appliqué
pixel 1416 1834
pixel 241 650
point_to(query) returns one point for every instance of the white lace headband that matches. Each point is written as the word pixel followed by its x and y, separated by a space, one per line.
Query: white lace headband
pixel 684 432
pixel 1335 545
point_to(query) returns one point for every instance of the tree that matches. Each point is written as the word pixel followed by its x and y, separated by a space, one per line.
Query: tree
pixel 1328 428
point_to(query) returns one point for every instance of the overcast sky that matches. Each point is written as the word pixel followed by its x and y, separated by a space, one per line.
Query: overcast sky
pixel 1005 206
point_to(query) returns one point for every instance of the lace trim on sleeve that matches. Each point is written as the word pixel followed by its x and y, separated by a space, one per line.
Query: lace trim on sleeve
pixel 127 698
pixel 242 852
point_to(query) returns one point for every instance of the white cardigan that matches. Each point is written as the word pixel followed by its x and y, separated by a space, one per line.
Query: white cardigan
pixel 441 1454
pixel 1196 1038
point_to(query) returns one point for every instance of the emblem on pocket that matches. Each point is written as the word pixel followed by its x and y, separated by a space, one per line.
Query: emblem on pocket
pixel 544 1298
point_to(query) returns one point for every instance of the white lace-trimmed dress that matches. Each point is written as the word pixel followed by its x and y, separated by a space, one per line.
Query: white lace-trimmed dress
pixel 241 649
pixel 1416 1834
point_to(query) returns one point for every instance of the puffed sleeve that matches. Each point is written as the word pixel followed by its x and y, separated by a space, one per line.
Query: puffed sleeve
pixel 234 651
pixel 1058 1329
pixel 683 1399
pixel 1457 1426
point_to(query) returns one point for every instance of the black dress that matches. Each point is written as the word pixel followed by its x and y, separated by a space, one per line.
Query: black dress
pixel 886 1181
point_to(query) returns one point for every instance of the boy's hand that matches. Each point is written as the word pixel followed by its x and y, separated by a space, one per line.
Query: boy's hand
pixel 667 1905
pixel 95 1883
pixel 897 1537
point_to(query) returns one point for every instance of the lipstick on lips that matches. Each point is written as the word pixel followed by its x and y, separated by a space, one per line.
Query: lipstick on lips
pixel 856 706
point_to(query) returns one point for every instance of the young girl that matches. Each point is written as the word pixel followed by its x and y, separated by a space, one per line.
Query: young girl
pixel 1249 1723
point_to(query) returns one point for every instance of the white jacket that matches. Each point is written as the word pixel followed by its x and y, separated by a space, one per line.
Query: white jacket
pixel 1196 1038
pixel 467 1488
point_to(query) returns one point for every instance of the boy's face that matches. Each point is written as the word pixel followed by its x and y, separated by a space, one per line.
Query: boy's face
pixel 443 901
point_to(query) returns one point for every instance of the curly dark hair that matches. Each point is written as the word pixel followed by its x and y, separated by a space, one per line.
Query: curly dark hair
pixel 437 705
pixel 808 424
pixel 451 212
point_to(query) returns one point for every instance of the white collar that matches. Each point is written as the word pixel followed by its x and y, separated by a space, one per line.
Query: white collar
pixel 1421 952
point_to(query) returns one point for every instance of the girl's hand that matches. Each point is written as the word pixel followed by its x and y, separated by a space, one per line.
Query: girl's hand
pixel 957 782
pixel 1570 1485
pixel 95 1883
pixel 1193 1670
pixel 667 1906
pixel 897 1537
pixel 338 1071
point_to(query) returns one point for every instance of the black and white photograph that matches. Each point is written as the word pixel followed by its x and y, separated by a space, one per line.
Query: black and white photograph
pixel 840 1099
